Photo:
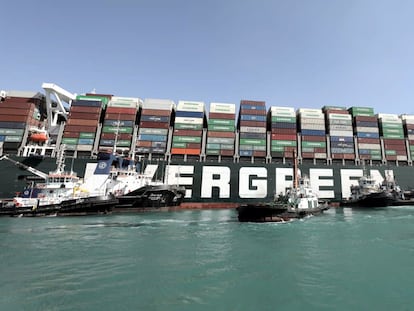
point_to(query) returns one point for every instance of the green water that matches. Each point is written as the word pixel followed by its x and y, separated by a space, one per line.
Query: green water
pixel 206 260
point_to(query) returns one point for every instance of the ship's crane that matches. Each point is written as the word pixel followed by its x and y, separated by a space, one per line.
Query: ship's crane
pixel 25 167
pixel 57 108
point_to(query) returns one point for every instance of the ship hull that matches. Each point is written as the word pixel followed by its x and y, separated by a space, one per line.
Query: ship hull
pixel 227 183
pixel 72 207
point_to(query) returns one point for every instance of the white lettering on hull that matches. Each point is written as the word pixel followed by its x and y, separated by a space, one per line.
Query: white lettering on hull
pixel 251 187
pixel 216 176
pixel 253 182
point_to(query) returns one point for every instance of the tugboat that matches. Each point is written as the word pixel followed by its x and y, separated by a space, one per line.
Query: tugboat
pixel 298 202
pixel 135 190
pixel 369 194
pixel 60 194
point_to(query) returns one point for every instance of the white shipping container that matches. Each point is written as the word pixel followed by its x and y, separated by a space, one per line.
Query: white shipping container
pixel 125 102
pixel 190 106
pixel 312 121
pixel 386 117
pixel 410 136
pixel 277 109
pixel 337 127
pixel 320 155
pixel 342 133
pixel 162 104
pixel 369 146
pixel 310 111
pixel 188 120
pixel 252 129
pixel 401 158
pixel 222 108
pixel 408 117
pixel 310 126
pixel 366 129
pixel 84 147
pixel 339 116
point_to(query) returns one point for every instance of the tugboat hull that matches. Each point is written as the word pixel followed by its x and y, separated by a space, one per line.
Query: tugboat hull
pixel 72 207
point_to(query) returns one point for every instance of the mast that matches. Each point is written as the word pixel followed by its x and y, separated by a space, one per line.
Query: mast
pixel 295 170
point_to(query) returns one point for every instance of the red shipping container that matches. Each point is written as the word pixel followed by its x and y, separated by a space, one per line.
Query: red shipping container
pixel 368 140
pixel 366 118
pixel 219 115
pixel 9 118
pixel 284 131
pixel 308 155
pixel 116 116
pixel 121 110
pixel 144 143
pixel 313 138
pixel 150 124
pixel 81 122
pixel 252 123
pixel 193 146
pixel 284 137
pixel 194 133
pixel 71 134
pixel 257 153
pixel 156 112
pixel 227 153
pixel 78 128
pixel 253 112
pixel 221 134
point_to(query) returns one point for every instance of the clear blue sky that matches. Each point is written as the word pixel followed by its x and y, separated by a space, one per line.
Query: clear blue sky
pixel 298 53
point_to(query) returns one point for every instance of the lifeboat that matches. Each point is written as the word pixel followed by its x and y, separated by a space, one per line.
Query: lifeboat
pixel 38 136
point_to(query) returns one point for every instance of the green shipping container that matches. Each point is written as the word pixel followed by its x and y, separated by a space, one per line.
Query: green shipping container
pixel 114 129
pixel 254 142
pixel 283 119
pixel 14 132
pixel 186 139
pixel 87 135
pixel 186 126
pixel 70 141
pixel 221 128
pixel 179 145
pixel 221 122
pixel 313 144
pixel 287 143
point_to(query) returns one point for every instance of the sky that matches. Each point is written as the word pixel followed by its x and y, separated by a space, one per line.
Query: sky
pixel 295 53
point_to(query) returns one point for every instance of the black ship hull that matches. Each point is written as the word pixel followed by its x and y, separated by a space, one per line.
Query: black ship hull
pixel 150 198
pixel 372 200
pixel 272 213
pixel 72 207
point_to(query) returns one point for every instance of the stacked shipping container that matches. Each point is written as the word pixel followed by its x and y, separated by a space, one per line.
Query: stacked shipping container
pixel 341 134
pixel 391 130
pixel 83 121
pixel 366 132
pixel 17 112
pixel 188 128
pixel 408 123
pixel 283 132
pixel 155 121
pixel 221 129
pixel 119 123
pixel 252 128
pixel 313 133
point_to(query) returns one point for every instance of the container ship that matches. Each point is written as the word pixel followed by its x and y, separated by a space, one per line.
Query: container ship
pixel 222 153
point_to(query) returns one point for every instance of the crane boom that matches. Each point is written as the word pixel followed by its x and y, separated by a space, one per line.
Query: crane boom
pixel 25 167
